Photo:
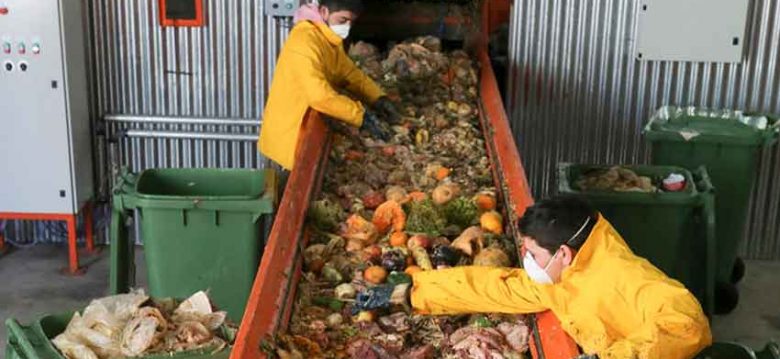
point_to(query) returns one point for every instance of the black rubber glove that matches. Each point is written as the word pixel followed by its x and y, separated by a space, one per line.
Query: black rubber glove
pixel 386 109
pixel 372 125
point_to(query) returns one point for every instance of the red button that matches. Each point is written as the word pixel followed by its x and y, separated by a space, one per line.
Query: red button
pixel 3 11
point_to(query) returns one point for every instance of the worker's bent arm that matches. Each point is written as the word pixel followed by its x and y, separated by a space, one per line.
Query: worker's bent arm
pixel 676 327
pixel 357 82
pixel 319 93
pixel 475 290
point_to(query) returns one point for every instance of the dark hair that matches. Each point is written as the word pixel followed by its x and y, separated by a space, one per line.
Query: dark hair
pixel 553 222
pixel 355 6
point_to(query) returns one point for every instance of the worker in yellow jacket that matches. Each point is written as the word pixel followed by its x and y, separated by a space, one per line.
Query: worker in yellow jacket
pixel 614 304
pixel 311 69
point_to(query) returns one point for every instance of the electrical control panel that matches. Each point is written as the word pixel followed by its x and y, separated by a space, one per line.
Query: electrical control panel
pixel 691 30
pixel 45 136
pixel 281 7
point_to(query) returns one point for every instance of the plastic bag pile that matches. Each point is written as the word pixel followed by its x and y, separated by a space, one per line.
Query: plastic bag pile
pixel 133 325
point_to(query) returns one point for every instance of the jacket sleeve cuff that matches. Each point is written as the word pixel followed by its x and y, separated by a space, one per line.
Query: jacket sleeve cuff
pixel 373 92
pixel 361 113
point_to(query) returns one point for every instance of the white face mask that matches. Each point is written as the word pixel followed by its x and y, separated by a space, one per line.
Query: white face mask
pixel 536 272
pixel 341 30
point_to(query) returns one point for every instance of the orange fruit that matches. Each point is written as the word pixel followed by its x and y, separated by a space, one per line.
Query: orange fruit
pixel 388 151
pixel 485 201
pixel 398 239
pixel 492 222
pixel 418 196
pixel 442 173
pixel 375 274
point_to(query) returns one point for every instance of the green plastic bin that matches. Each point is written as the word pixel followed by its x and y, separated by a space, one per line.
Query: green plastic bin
pixel 34 341
pixel 201 230
pixel 673 230
pixel 728 144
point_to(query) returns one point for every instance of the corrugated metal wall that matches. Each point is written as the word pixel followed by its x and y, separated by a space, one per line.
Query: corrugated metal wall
pixel 221 70
pixel 577 94
pixel 145 72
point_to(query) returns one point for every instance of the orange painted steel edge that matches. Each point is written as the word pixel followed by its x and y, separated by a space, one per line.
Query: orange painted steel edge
pixel 271 302
pixel 507 158
pixel 70 220
pixel 261 321
pixel 554 342
pixel 88 211
pixel 272 290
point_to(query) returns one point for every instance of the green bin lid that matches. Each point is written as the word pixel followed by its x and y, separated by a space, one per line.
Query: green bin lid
pixel 691 124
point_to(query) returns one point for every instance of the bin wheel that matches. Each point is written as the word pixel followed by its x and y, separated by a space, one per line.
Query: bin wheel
pixel 726 298
pixel 738 271
pixel 772 351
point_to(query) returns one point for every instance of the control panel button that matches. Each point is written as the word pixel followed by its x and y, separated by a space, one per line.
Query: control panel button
pixel 21 48
pixel 23 66
pixel 3 10
pixel 281 7
pixel 8 66
pixel 6 47
pixel 36 49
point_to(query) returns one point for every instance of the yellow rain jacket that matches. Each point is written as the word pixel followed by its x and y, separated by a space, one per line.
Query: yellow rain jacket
pixel 311 66
pixel 611 302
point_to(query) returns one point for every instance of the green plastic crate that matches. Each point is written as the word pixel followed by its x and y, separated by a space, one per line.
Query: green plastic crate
pixel 34 341
pixel 201 230
pixel 673 230
pixel 728 143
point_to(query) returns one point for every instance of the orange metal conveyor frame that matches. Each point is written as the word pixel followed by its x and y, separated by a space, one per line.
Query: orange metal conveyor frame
pixel 271 302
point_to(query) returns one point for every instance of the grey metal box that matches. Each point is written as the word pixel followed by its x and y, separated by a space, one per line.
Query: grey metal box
pixel 691 30
pixel 281 7
pixel 45 137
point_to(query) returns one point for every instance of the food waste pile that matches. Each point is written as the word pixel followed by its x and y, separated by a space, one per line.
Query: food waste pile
pixel 620 179
pixel 422 201
pixel 615 179
pixel 134 325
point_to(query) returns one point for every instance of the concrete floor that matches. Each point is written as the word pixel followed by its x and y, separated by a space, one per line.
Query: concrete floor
pixel 757 317
pixel 32 286
pixel 32 283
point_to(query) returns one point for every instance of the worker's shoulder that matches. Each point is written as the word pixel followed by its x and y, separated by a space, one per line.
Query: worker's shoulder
pixel 637 273
pixel 306 32
pixel 304 39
